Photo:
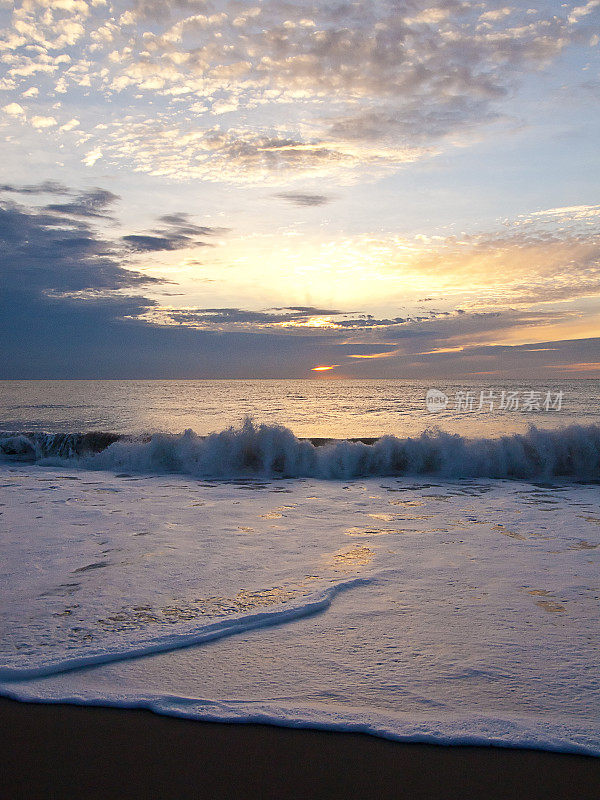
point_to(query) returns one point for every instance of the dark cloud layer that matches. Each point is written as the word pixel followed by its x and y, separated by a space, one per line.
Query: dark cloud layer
pixel 93 203
pixel 69 308
pixel 177 233
pixel 239 316
pixel 43 253
pixel 71 305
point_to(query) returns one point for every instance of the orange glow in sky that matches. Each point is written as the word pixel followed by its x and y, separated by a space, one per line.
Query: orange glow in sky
pixel 324 368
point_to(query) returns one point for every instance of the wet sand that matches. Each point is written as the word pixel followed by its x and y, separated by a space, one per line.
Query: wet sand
pixel 62 751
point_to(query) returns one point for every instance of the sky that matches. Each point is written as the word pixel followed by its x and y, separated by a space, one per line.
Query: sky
pixel 227 189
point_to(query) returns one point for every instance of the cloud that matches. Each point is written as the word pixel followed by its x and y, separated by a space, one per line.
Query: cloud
pixel 14 109
pixel 234 154
pixel 73 303
pixel 45 187
pixel 300 199
pixel 93 156
pixel 147 244
pixel 92 203
pixel 179 232
pixel 570 212
pixel 43 122
pixel 298 88
pixel 384 354
pixel 310 310
pixel 44 254
pixel 545 257
pixel 71 307
pixel 234 318
pixel 322 322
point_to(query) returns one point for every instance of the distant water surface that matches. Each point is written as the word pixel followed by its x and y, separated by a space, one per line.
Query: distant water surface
pixel 310 408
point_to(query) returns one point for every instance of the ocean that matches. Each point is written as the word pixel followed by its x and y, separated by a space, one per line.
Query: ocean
pixel 328 554
pixel 310 408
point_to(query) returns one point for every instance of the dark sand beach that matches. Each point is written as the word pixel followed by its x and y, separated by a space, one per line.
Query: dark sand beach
pixel 63 751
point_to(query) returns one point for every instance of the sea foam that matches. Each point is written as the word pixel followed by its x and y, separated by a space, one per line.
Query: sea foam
pixel 312 604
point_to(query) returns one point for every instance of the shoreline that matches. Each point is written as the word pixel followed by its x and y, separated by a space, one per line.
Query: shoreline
pixel 67 751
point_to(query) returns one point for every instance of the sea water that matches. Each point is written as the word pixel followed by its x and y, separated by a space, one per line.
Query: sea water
pixel 432 585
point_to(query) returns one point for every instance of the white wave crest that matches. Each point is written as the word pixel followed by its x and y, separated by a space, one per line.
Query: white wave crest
pixel 273 451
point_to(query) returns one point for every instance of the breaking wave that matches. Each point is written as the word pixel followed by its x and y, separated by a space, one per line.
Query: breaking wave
pixel 259 450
